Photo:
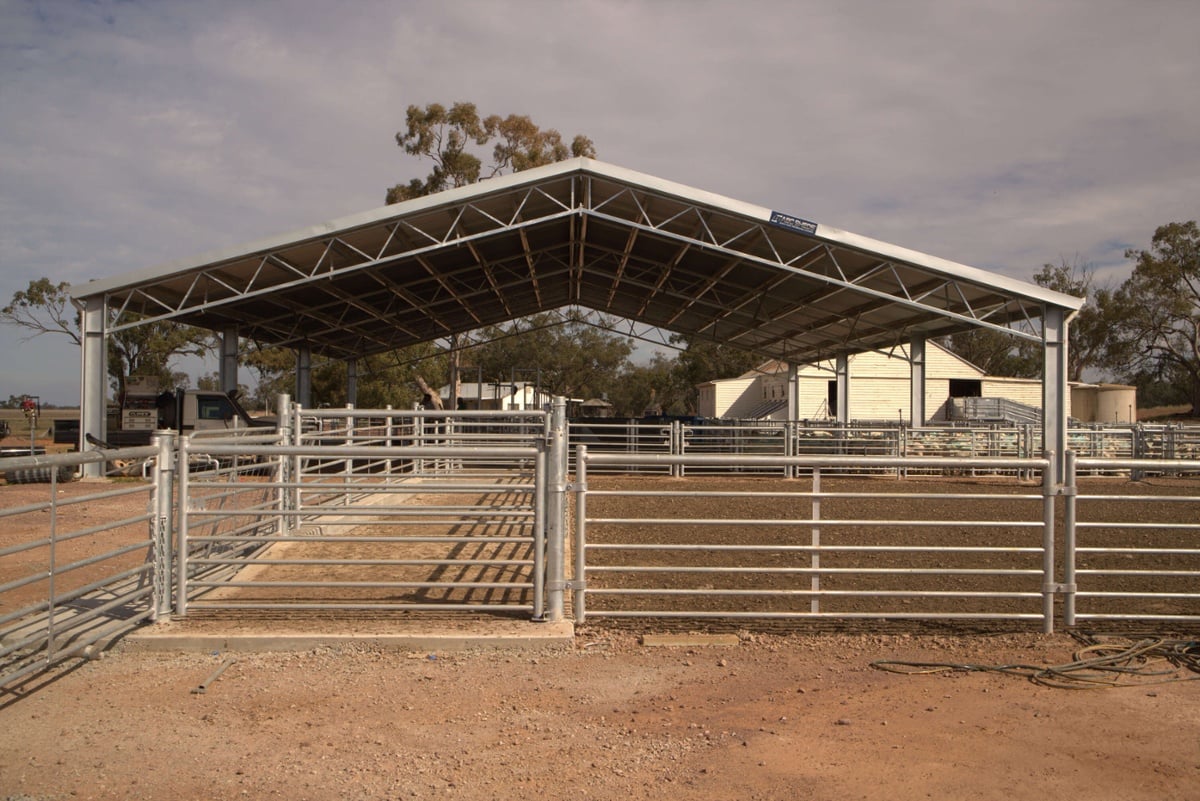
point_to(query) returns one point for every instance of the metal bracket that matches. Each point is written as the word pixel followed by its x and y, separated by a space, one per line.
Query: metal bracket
pixel 574 584
pixel 1059 589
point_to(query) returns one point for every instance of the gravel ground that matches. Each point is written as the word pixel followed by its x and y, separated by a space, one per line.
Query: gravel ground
pixel 773 715
pixel 769 717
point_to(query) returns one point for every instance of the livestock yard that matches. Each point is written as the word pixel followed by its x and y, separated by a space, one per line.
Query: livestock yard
pixel 730 623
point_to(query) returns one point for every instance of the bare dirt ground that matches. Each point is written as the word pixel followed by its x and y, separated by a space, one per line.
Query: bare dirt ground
pixel 770 715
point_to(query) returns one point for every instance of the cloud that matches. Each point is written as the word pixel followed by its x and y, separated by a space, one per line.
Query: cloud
pixel 1003 135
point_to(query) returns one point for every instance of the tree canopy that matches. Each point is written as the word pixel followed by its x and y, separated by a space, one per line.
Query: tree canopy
pixel 44 307
pixel 1000 354
pixel 1155 334
pixel 571 358
pixel 452 139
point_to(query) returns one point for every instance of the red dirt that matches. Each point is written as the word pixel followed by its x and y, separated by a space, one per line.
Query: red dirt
pixel 769 718
pixel 774 716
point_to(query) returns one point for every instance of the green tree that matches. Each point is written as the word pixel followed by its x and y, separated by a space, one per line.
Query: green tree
pixel 43 307
pixel 1157 330
pixel 384 379
pixel 144 350
pixel 451 138
pixel 653 386
pixel 1089 330
pixel 572 358
pixel 274 369
pixel 994 352
pixel 1001 354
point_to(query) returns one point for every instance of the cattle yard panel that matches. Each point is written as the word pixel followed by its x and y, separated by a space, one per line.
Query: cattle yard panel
pixel 416 428
pixel 1139 558
pixel 467 539
pixel 96 572
pixel 821 547
pixel 626 437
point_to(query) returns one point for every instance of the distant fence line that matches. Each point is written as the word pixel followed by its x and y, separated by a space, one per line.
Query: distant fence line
pixel 677 437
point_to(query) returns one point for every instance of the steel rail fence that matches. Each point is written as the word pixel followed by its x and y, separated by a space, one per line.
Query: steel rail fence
pixel 817 561
pixel 468 511
pixel 1143 549
pixel 94 575
pixel 677 437
pixel 467 539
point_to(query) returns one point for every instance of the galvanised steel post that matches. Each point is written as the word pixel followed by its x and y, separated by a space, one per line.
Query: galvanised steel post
pixel 1050 486
pixel 181 547
pixel 283 405
pixel 578 577
pixel 418 440
pixel 815 560
pixel 293 520
pixel 1069 491
pixel 539 532
pixel 162 532
pixel 348 464
pixel 389 433
pixel 556 507
pixel 677 447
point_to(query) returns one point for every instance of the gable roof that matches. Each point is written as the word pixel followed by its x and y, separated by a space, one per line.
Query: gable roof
pixel 579 234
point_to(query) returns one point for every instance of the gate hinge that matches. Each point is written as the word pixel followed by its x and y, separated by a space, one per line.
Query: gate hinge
pixel 570 584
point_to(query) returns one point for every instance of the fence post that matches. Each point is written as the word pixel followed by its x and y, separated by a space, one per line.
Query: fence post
pixel 789 447
pixel 287 436
pixel 540 499
pixel 181 547
pixel 556 489
pixel 389 433
pixel 677 447
pixel 164 495
pixel 578 580
pixel 293 519
pixel 348 464
pixel 1070 489
pixel 418 440
pixel 814 604
pixel 1049 490
pixel 1138 450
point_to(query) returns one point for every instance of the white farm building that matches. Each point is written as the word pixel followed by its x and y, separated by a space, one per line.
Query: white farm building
pixel 879 388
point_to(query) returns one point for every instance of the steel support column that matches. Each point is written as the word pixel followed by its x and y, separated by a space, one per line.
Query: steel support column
pixel 304 376
pixel 229 359
pixel 556 508
pixel 352 381
pixel 843 389
pixel 1054 386
pixel 916 363
pixel 793 393
pixel 93 374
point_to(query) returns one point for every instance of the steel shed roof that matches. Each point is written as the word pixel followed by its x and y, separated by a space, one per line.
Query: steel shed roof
pixel 579 233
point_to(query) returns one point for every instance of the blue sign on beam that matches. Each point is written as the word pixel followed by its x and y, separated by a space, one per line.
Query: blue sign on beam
pixel 793 223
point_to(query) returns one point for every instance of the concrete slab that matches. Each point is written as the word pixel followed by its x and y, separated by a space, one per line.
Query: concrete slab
pixel 530 636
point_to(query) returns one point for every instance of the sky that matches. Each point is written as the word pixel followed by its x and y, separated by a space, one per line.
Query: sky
pixel 1003 135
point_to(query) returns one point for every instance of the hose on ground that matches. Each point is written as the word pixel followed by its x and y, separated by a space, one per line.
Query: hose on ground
pixel 1101 663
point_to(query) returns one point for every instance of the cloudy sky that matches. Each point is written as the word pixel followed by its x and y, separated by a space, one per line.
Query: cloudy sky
pixel 1001 134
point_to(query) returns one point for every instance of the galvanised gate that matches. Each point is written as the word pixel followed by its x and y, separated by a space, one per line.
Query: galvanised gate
pixel 350 512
